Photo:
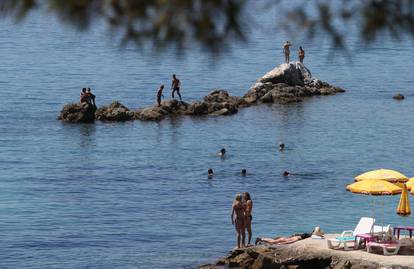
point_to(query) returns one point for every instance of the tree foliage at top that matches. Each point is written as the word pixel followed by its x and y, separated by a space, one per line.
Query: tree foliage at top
pixel 213 24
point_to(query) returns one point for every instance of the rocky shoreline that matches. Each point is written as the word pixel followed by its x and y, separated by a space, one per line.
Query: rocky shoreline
pixel 310 253
pixel 287 83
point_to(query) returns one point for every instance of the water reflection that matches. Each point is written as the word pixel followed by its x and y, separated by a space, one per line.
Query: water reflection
pixel 87 136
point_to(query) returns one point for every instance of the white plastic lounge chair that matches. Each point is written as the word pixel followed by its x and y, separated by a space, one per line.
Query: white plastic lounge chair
pixel 382 229
pixel 347 237
pixel 388 248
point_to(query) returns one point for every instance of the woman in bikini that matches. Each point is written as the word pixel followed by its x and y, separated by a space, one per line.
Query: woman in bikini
pixel 248 205
pixel 238 219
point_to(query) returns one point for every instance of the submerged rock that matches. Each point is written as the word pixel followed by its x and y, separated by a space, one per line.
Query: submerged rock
pixel 78 113
pixel 114 112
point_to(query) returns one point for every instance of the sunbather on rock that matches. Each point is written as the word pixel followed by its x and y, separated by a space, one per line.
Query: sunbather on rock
pixel 281 240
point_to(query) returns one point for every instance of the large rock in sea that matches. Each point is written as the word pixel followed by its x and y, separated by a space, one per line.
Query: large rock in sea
pixel 114 112
pixel 170 107
pixel 287 83
pixel 216 103
pixel 78 113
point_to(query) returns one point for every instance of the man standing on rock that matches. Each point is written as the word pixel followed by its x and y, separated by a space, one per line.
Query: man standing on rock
pixel 286 50
pixel 301 54
pixel 175 86
pixel 159 95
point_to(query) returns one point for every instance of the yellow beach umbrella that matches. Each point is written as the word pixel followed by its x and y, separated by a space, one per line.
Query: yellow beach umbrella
pixel 383 174
pixel 374 187
pixel 404 205
pixel 410 184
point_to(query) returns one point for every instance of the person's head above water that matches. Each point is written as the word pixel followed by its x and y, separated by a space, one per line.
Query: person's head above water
pixel 222 151
pixel 286 173
pixel 281 146
pixel 210 172
pixel 243 172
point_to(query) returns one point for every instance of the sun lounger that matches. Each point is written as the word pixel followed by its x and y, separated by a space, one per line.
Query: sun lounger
pixel 348 237
pixel 382 229
pixel 388 248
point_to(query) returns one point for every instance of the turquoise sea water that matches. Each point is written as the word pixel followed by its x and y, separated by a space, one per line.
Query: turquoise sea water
pixel 136 194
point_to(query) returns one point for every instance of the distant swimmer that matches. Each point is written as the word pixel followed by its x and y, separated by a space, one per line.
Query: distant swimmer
pixel 210 173
pixel 175 86
pixel 286 173
pixel 159 95
pixel 301 54
pixel 281 146
pixel 286 50
pixel 243 172
pixel 222 152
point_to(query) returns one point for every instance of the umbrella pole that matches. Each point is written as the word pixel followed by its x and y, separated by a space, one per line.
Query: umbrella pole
pixel 382 227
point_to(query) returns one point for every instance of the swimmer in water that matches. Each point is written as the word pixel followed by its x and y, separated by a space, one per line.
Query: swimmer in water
pixel 210 173
pixel 222 152
pixel 281 146
pixel 243 172
pixel 286 173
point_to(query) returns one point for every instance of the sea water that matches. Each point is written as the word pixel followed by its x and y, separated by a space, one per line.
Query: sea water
pixel 136 194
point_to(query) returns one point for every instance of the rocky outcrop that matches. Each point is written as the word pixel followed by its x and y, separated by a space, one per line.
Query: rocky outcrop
pixel 114 112
pixel 261 257
pixel 171 107
pixel 78 113
pixel 216 103
pixel 285 84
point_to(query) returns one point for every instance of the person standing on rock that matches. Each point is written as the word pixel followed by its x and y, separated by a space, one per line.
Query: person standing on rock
pixel 83 96
pixel 301 54
pixel 238 220
pixel 159 95
pixel 175 86
pixel 248 207
pixel 286 50
pixel 91 97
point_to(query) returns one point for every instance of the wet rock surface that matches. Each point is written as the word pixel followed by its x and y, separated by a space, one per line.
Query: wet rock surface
pixel 288 83
pixel 78 113
pixel 114 112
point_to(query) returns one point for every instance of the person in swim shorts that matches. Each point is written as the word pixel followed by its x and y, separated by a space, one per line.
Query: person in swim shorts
pixel 159 95
pixel 286 50
pixel 301 54
pixel 175 86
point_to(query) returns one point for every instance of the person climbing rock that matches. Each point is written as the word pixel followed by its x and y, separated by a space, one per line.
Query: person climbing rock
pixel 301 54
pixel 159 95
pixel 175 86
